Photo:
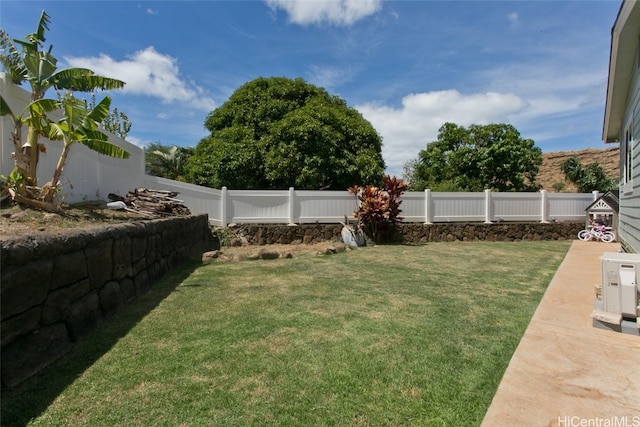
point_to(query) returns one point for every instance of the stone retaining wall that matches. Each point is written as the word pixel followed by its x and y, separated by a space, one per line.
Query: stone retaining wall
pixel 58 287
pixel 411 233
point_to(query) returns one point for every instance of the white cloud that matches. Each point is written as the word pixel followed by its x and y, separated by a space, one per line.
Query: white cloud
pixel 336 12
pixel 513 19
pixel 407 130
pixel 148 72
pixel 328 76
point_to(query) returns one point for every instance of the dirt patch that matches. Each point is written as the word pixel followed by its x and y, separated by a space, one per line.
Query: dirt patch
pixel 19 221
pixel 252 252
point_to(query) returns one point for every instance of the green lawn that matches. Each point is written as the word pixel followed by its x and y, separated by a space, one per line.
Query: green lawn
pixel 380 336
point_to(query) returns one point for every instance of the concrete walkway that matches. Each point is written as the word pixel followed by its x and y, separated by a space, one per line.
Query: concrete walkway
pixel 566 372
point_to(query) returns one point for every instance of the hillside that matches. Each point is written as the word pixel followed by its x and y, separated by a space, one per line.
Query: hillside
pixel 550 172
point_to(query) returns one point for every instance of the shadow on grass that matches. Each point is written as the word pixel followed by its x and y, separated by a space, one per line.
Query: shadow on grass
pixel 32 397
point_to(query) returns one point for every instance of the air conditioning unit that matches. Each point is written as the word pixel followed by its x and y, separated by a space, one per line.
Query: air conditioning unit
pixel 620 305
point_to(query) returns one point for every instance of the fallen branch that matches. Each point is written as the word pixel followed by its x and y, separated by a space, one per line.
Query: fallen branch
pixel 139 212
pixel 49 207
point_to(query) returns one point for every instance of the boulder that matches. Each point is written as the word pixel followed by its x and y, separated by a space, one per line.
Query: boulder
pixel 210 256
pixel 268 254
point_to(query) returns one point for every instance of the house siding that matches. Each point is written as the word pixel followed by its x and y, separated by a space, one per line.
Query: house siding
pixel 629 219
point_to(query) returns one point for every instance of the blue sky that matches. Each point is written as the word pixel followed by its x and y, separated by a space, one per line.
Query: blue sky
pixel 407 66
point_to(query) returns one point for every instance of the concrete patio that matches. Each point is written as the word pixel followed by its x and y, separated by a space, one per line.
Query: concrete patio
pixel 565 371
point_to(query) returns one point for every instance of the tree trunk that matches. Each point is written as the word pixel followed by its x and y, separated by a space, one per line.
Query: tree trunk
pixel 51 191
pixel 31 153
pixel 20 160
pixel 50 207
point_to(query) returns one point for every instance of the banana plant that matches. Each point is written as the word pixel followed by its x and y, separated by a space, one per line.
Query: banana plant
pixel 39 69
pixel 79 124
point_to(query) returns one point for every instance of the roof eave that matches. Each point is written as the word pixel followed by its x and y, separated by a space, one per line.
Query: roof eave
pixel 624 39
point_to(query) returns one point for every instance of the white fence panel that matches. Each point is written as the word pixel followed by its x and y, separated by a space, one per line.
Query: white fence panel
pixel 457 207
pixel 258 206
pixel 516 207
pixel 328 207
pixel 413 206
pixel 92 176
pixel 569 206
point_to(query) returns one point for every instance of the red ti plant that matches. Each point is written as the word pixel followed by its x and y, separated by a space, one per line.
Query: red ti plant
pixel 379 209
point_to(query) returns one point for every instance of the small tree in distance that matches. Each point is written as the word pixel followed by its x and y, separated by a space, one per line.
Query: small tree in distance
pixel 476 158
pixel 167 161
pixel 116 122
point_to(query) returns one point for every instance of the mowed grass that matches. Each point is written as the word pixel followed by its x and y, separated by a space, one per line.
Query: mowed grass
pixel 380 336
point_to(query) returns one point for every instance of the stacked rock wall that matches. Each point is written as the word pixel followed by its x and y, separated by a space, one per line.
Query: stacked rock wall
pixel 412 233
pixel 58 287
pixel 498 232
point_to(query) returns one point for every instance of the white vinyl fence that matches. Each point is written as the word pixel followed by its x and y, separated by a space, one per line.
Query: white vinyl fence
pixel 305 206
pixel 91 176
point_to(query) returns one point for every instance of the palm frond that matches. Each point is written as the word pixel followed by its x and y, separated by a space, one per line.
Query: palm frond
pixel 98 113
pixel 43 25
pixel 102 146
pixel 11 60
pixel 37 37
pixel 83 80
pixel 55 132
pixel 43 106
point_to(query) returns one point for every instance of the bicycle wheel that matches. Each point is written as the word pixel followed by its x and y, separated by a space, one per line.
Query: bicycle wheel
pixel 585 235
pixel 608 237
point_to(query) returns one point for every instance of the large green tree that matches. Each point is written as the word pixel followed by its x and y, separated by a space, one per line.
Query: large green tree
pixel 25 61
pixel 278 133
pixel 476 158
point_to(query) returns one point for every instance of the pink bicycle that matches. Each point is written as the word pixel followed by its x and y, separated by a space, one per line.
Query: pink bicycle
pixel 597 232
